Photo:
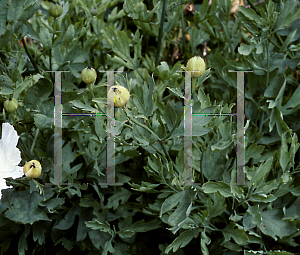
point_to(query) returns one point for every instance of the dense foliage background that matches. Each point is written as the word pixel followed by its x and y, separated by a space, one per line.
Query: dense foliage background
pixel 151 213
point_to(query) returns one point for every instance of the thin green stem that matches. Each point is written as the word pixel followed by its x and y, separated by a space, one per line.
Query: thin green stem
pixel 50 65
pixel 261 123
pixel 169 134
pixel 171 8
pixel 268 63
pixel 34 141
pixel 30 57
pixel 91 89
pixel 183 36
pixel 50 51
pixel 141 125
pixel 126 125
pixel 160 33
pixel 193 83
pixel 253 6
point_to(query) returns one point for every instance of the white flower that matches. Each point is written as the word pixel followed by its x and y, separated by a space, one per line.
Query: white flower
pixel 10 155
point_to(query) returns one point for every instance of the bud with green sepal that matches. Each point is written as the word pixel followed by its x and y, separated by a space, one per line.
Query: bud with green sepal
pixel 118 95
pixel 94 11
pixel 197 66
pixel 89 75
pixel 32 169
pixel 55 10
pixel 11 105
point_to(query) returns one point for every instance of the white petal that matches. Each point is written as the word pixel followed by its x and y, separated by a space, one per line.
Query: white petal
pixel 10 155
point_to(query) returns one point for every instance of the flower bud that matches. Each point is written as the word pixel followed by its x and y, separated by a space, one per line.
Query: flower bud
pixel 187 37
pixel 32 169
pixel 118 95
pixel 189 9
pixel 89 75
pixel 196 65
pixel 11 104
pixel 55 10
pixel 94 11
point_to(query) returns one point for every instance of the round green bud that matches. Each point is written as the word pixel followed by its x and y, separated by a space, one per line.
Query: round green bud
pixel 94 11
pixel 118 95
pixel 11 104
pixel 197 66
pixel 32 169
pixel 55 10
pixel 89 75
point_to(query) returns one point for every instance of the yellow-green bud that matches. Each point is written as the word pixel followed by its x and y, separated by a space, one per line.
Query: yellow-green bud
pixel 11 104
pixel 197 66
pixel 32 169
pixel 89 75
pixel 118 95
pixel 55 10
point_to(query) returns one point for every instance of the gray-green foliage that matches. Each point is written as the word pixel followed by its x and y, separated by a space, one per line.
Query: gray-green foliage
pixel 151 213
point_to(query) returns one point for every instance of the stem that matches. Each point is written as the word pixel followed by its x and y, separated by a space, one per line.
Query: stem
pixel 183 36
pixel 141 125
pixel 160 33
pixel 261 123
pixel 30 57
pixel 268 63
pixel 34 141
pixel 50 51
pixel 90 88
pixel 50 65
pixel 253 6
pixel 169 134
pixel 193 83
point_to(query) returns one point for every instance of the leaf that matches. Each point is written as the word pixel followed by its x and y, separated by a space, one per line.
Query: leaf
pixel 17 15
pixel 173 200
pixel 289 13
pixel 254 151
pixel 176 92
pixel 45 38
pixel 108 247
pixel 142 226
pixel 182 240
pixel 113 201
pixel 43 122
pixel 262 198
pixel 38 93
pixel 97 225
pixel 238 235
pixel 251 15
pixel 273 224
pixel 25 207
pixel 148 95
pixel 6 84
pixel 119 43
pixel 214 163
pixel 205 240
pixel 212 187
pixel 170 116
pixel 218 207
pixel 84 107
pixel 261 174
